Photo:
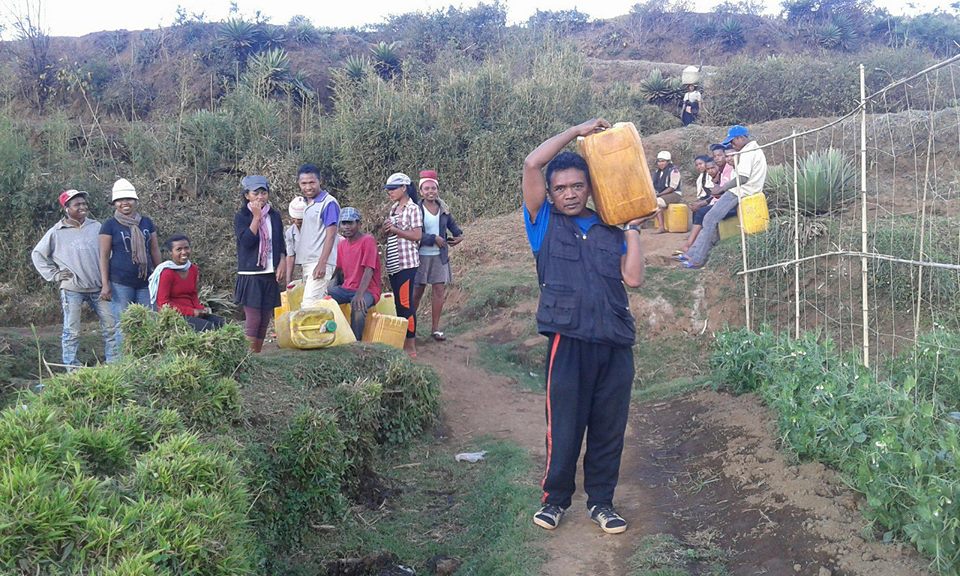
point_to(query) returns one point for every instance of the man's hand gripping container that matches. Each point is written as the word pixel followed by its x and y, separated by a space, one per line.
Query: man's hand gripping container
pixel 621 182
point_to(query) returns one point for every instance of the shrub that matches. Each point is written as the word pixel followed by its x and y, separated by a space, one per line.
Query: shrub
pixel 892 441
pixel 359 417
pixel 411 401
pixel 187 383
pixel 731 33
pixel 659 89
pixel 309 468
pixel 900 237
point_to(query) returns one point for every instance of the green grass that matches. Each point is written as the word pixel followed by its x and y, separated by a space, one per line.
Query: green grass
pixel 492 291
pixel 669 358
pixel 513 360
pixel 477 513
pixel 666 555
pixel 675 285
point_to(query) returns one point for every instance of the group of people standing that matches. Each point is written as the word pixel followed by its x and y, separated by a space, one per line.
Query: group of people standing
pixel 114 264
pixel 117 263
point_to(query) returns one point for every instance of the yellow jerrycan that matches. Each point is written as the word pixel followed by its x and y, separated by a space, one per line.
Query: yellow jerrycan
pixel 386 305
pixel 754 213
pixel 621 181
pixel 389 330
pixel 306 329
pixel 677 218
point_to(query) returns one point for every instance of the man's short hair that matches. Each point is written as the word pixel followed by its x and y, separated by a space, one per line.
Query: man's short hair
pixel 703 158
pixel 715 147
pixel 309 169
pixel 564 161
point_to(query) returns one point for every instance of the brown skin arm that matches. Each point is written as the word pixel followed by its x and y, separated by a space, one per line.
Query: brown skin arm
pixel 320 270
pixel 632 264
pixel 357 303
pixel 105 250
pixel 291 262
pixel 534 184
pixel 155 256
pixel 413 235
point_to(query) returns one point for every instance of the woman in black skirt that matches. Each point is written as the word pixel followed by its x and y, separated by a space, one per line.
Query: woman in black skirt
pixel 260 249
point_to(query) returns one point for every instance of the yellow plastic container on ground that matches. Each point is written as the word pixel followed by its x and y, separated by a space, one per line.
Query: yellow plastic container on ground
pixel 385 305
pixel 389 330
pixel 344 332
pixel 677 218
pixel 306 329
pixel 754 213
pixel 729 227
pixel 621 181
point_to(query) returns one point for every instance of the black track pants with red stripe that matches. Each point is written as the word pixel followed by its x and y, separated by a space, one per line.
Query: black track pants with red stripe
pixel 588 390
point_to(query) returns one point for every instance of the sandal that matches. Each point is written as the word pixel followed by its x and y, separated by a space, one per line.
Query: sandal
pixel 680 257
pixel 438 336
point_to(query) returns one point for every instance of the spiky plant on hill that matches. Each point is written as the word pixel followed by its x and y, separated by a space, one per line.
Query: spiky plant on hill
pixel 659 89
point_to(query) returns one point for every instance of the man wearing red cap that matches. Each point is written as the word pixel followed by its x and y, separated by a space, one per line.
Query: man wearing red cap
pixel 68 254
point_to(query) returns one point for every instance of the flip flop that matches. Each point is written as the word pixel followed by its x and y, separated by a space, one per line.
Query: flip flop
pixel 680 257
pixel 438 336
pixel 689 265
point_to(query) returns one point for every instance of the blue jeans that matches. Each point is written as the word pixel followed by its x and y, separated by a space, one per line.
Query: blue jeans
pixel 122 296
pixel 710 234
pixel 72 303
pixel 343 296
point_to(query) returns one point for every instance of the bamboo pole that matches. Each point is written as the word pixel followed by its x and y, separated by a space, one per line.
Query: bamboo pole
pixel 743 252
pixel 865 296
pixel 796 243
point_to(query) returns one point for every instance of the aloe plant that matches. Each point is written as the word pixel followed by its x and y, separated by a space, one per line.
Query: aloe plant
pixel 731 33
pixel 240 36
pixel 826 180
pixel 386 60
pixel 659 89
pixel 356 68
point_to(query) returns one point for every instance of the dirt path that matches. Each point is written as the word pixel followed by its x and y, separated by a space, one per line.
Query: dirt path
pixel 704 467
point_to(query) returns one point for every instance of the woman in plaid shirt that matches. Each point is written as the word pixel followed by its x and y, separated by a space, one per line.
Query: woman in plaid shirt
pixel 403 228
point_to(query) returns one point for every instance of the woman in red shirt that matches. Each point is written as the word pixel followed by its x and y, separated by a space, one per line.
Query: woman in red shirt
pixel 174 284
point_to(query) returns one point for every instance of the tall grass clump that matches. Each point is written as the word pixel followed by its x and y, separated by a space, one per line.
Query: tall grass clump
pixel 894 438
pixel 935 294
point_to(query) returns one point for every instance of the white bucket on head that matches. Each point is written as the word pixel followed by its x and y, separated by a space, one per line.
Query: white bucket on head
pixel 690 75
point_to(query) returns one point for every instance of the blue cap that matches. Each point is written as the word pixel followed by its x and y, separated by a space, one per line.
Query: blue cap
pixel 349 214
pixel 733 132
pixel 255 182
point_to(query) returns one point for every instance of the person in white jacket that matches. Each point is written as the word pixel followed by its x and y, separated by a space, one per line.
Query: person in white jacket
pixel 69 255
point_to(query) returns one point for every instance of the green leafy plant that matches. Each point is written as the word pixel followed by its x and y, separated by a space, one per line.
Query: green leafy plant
pixel 826 181
pixel 356 68
pixel 240 36
pixel 386 59
pixel 731 33
pixel 659 89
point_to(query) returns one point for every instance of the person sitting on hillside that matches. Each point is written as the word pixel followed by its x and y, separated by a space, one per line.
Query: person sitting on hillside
pixel 69 255
pixel 713 175
pixel 359 262
pixel 434 267
pixel 583 266
pixel 666 183
pixel 724 168
pixel 704 181
pixel 691 105
pixel 291 236
pixel 748 179
pixel 174 283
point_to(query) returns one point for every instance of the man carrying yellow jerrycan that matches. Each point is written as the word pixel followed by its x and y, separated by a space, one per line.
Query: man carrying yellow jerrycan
pixel 372 317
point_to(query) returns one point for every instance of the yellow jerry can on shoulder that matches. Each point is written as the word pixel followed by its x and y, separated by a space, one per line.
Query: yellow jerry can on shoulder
pixel 621 181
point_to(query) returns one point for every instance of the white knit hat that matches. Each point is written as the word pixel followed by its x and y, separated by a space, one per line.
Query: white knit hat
pixel 123 189
pixel 663 155
pixel 297 207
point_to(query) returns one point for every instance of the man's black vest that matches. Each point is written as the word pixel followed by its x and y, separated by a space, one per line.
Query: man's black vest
pixel 661 179
pixel 581 287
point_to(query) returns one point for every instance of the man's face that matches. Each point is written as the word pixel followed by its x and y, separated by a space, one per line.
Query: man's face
pixel 309 185
pixel 349 228
pixel 77 208
pixel 739 142
pixel 711 168
pixel 719 158
pixel 662 164
pixel 569 190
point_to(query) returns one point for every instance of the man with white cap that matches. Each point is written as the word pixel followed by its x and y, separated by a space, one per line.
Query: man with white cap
pixel 666 183
pixel 67 254
pixel 317 247
pixel 129 250
pixel 750 173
